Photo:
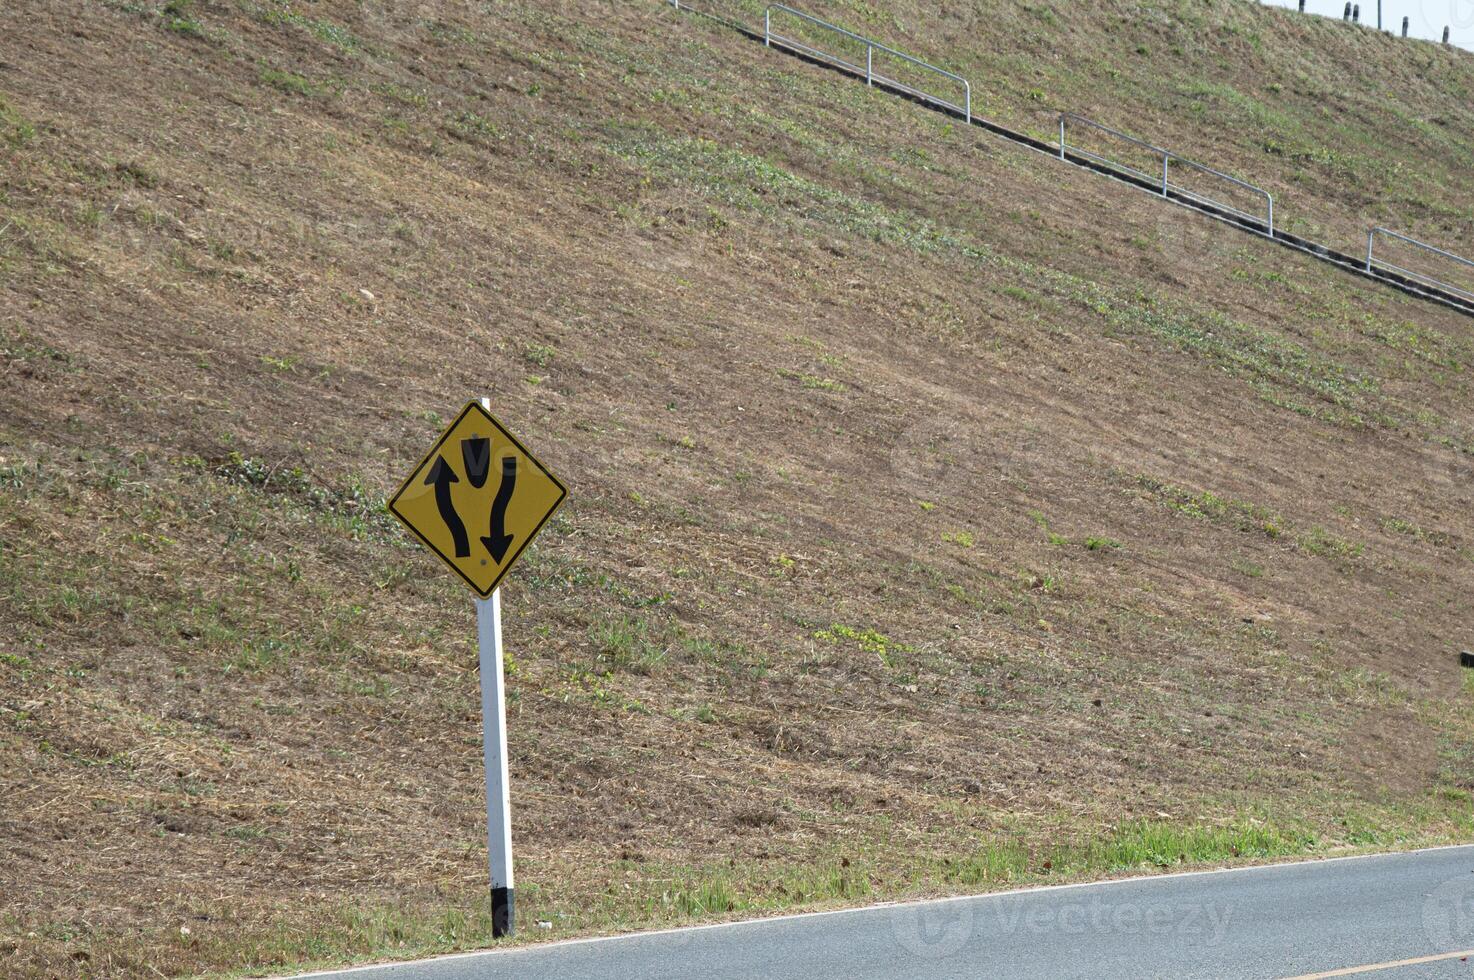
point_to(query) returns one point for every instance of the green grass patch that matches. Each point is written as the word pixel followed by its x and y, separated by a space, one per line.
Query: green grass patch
pixel 540 355
pixel 1397 525
pixel 1322 543
pixel 994 864
pixel 472 128
pixel 1159 844
pixel 19 344
pixel 755 183
pixel 15 130
pixel 1208 506
pixel 868 640
pixel 283 12
pixel 260 654
pixel 630 644
pixel 1251 353
pixel 289 82
pixel 177 19
pixel 813 382
pixel 361 511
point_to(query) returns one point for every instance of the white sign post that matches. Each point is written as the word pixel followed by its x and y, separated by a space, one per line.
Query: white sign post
pixel 494 751
pixel 494 754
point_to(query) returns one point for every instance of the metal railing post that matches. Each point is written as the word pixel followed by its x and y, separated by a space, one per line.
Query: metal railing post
pixel 1384 265
pixel 872 77
pixel 1161 183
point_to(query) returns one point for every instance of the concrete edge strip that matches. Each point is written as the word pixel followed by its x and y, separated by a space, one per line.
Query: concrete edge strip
pixel 1392 965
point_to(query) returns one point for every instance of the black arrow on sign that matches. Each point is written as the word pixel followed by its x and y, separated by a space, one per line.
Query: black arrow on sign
pixel 442 476
pixel 498 541
pixel 476 452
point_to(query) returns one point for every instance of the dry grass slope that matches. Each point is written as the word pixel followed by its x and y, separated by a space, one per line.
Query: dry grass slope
pixel 1346 126
pixel 940 519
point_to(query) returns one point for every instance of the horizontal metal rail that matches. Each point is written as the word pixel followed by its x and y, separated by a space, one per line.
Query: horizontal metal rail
pixel 1065 117
pixel 1164 178
pixel 1411 283
pixel 867 70
pixel 1422 276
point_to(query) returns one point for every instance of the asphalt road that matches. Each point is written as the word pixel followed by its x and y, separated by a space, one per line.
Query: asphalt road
pixel 1352 917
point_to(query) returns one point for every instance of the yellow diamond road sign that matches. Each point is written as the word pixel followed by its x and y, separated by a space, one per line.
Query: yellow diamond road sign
pixel 478 499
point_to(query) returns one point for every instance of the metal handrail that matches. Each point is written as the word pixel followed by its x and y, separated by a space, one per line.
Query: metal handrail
pixel 1383 263
pixel 1163 180
pixel 1459 298
pixel 1165 154
pixel 868 69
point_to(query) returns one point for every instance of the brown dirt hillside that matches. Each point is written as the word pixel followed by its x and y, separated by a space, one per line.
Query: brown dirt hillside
pixel 941 518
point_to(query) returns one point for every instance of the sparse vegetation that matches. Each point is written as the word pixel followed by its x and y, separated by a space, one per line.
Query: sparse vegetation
pixel 1318 541
pixel 868 640
pixel 540 354
pixel 284 12
pixel 1207 505
pixel 14 129
pixel 289 82
pixel 1397 525
pixel 176 14
pixel 813 381
pixel 630 644
pixel 470 126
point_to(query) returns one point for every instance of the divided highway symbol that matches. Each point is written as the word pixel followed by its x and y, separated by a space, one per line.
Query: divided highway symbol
pixel 439 502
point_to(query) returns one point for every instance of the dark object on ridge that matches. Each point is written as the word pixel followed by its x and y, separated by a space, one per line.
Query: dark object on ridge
pixel 1445 35
pixel 1466 659
pixel 1404 26
pixel 1347 15
pixel 1356 14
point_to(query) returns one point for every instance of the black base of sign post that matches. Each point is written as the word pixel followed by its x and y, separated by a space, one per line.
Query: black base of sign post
pixel 1466 659
pixel 503 915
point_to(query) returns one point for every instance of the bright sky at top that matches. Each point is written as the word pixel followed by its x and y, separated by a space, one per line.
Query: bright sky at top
pixel 1427 18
